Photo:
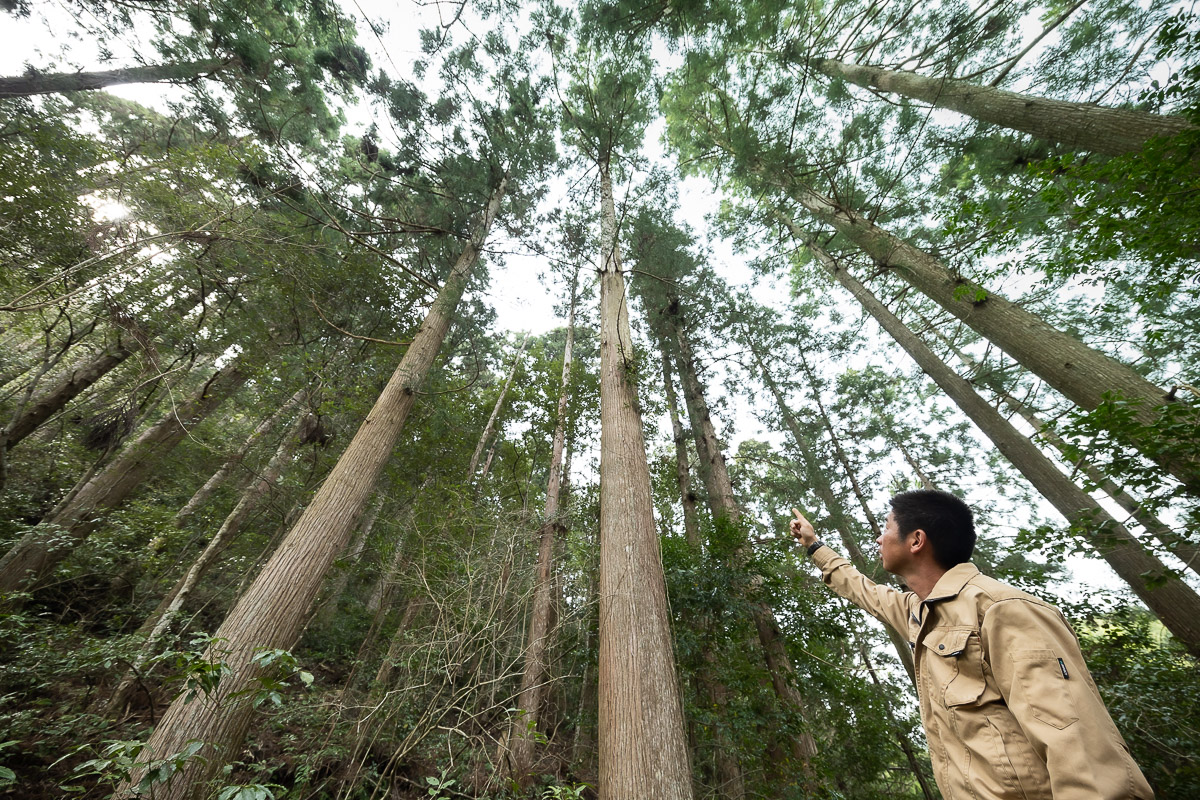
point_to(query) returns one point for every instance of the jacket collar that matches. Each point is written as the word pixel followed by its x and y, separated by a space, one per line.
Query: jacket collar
pixel 952 582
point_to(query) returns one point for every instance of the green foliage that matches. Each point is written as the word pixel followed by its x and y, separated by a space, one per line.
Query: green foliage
pixel 118 760
pixel 1136 666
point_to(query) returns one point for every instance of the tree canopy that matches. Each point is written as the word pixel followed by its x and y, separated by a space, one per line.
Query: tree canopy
pixel 297 501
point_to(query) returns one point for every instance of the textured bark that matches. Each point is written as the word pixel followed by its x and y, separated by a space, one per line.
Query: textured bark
pixel 490 428
pixel 35 555
pixel 1175 603
pixel 838 451
pixel 383 675
pixel 272 612
pixel 77 379
pixel 905 745
pixel 1079 126
pixel 683 478
pixel 1186 551
pixel 223 472
pixel 1082 375
pixel 713 469
pixel 724 506
pixel 531 697
pixel 162 618
pixel 337 584
pixel 643 749
pixel 837 513
pixel 43 83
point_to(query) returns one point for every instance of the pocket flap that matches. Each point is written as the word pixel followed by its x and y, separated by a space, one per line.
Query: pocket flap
pixel 947 641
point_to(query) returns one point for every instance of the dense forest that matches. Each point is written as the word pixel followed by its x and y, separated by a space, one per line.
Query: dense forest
pixel 286 511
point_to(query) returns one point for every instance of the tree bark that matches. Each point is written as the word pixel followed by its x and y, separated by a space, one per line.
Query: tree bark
pixel 78 378
pixel 218 478
pixel 531 697
pixel 838 451
pixel 35 555
pixel 1079 126
pixel 724 506
pixel 837 513
pixel 50 83
pixel 710 456
pixel 1186 551
pixel 1170 599
pixel 491 423
pixel 272 612
pixel 643 748
pixel 161 619
pixel 1084 376
pixel 683 478
pixel 905 745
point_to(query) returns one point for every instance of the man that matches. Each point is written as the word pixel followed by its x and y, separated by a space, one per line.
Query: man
pixel 1009 708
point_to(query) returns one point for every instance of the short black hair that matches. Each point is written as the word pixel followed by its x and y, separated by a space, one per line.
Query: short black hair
pixel 946 520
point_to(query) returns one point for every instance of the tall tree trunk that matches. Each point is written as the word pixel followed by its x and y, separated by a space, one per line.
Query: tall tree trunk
pixel 838 451
pixel 530 699
pixel 1175 603
pixel 1079 126
pixel 1084 376
pixel 78 378
pixel 49 83
pixel 643 748
pixel 836 511
pixel 273 610
pixel 337 584
pixel 35 555
pixel 490 428
pixel 683 478
pixel 906 747
pixel 219 477
pixel 160 620
pixel 50 353
pixel 713 470
pixel 383 675
pixel 1179 546
pixel 724 506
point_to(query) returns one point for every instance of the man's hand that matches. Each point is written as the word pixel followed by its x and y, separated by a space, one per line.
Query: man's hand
pixel 802 529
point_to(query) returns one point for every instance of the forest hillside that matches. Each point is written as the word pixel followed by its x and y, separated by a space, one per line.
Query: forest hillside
pixel 408 400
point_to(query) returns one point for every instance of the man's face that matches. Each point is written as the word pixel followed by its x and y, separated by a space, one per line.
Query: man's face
pixel 893 550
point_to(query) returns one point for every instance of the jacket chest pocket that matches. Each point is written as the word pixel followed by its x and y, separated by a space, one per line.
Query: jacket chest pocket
pixel 953 665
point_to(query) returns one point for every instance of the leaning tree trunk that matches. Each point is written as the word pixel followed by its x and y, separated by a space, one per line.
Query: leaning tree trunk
pixel 530 699
pixel 1175 603
pixel 643 748
pixel 1179 546
pixel 719 486
pixel 272 612
pixel 728 772
pixel 833 506
pixel 200 497
pixel 491 423
pixel 35 555
pixel 910 754
pixel 49 83
pixel 160 620
pixel 711 460
pixel 78 378
pixel 1079 126
pixel 683 478
pixel 1084 376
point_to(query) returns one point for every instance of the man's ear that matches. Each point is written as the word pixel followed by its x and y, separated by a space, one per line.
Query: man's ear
pixel 918 541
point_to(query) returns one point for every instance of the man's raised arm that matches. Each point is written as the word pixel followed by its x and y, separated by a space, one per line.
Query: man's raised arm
pixel 882 602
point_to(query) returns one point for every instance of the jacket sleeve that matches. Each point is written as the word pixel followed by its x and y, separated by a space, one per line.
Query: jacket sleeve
pixel 882 602
pixel 1039 670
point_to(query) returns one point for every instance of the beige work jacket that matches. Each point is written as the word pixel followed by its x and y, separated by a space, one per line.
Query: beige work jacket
pixel 1009 708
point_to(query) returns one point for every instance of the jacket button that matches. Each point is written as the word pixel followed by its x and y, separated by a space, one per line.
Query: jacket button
pixel 941 647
